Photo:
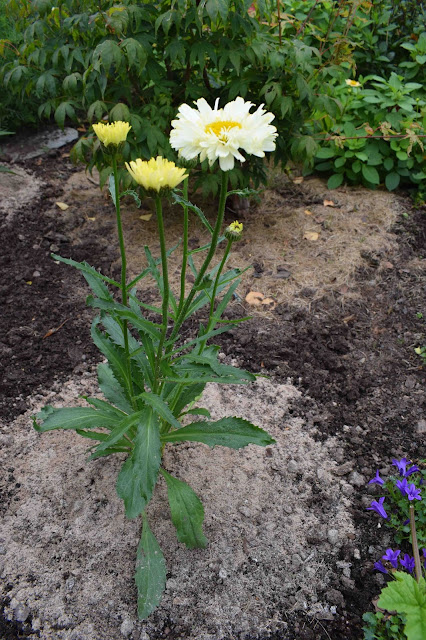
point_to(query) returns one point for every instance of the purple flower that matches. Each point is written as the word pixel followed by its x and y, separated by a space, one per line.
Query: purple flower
pixel 377 479
pixel 406 522
pixel 408 563
pixel 378 507
pixel 392 557
pixel 379 566
pixel 411 470
pixel 413 493
pixel 402 467
pixel 402 486
pixel 424 555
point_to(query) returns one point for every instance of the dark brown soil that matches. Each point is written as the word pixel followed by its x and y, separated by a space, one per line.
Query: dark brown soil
pixel 354 358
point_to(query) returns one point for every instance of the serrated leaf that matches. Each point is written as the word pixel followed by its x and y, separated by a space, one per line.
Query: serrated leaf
pixel 150 576
pixel 160 407
pixel 93 277
pixel 73 418
pixel 187 512
pixel 177 199
pixel 405 595
pixel 121 429
pixel 227 432
pixel 139 473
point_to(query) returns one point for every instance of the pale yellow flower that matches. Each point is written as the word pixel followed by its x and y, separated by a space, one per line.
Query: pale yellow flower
pixel 219 134
pixel 352 83
pixel 156 174
pixel 234 231
pixel 112 133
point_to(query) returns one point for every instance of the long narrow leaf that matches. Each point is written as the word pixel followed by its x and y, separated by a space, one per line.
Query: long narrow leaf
pixel 86 269
pixel 72 418
pixel 159 278
pixel 161 408
pixel 187 512
pixel 120 430
pixel 150 576
pixel 177 199
pixel 115 356
pixel 227 432
pixel 111 388
pixel 139 473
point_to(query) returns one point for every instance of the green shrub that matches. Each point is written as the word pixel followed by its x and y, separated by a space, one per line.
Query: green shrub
pixel 378 135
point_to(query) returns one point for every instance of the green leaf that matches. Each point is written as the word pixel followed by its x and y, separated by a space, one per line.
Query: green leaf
pixel 122 428
pixel 370 174
pixel 177 199
pixel 325 152
pixel 217 7
pixel 111 388
pixel 335 180
pixel 150 576
pixel 160 407
pixel 139 473
pixel 227 432
pixel 186 396
pixel 65 109
pixel 198 411
pixel 405 595
pixel 114 354
pixel 392 180
pixel 107 53
pixel 94 278
pixel 73 418
pixel 187 512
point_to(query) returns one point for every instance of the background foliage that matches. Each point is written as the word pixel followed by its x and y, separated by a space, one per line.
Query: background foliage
pixel 138 61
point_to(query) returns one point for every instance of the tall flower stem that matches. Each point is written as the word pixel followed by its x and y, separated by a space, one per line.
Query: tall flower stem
pixel 215 236
pixel 123 268
pixel 415 545
pixel 185 248
pixel 165 306
pixel 215 287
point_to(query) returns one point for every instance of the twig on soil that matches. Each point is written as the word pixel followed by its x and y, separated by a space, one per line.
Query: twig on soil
pixel 54 330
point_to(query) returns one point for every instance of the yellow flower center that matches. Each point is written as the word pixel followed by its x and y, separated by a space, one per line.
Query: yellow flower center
pixel 221 128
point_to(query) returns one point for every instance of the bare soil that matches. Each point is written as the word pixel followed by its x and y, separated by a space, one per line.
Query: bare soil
pixel 291 546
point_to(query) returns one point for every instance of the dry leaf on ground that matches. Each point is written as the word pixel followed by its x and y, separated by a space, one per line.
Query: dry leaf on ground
pixel 312 236
pixel 62 205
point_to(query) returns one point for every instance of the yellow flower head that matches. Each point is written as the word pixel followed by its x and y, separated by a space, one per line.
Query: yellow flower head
pixel 234 231
pixel 156 174
pixel 352 83
pixel 112 133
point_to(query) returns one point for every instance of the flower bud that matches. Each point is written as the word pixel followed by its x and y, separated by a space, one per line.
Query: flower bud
pixel 234 231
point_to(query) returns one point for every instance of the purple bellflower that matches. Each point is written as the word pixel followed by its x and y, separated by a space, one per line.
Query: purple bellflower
pixel 378 507
pixel 424 555
pixel 408 563
pixel 380 567
pixel 377 479
pixel 413 493
pixel 402 467
pixel 402 486
pixel 392 557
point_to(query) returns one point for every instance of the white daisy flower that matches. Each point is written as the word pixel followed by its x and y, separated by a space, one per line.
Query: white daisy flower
pixel 221 133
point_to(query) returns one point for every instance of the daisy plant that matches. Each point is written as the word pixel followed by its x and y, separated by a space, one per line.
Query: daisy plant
pixel 151 379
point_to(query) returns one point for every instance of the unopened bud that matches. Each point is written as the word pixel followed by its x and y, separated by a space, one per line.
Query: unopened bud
pixel 234 231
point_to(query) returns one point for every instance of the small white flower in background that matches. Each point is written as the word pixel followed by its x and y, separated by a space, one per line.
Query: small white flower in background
pixel 219 134
pixel 352 83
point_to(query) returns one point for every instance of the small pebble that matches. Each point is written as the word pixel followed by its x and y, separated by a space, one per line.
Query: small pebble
pixel 126 627
pixel 21 612
pixel 333 536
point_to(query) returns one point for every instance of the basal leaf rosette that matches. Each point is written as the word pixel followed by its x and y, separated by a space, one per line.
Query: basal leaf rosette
pixel 221 134
pixel 112 133
pixel 157 174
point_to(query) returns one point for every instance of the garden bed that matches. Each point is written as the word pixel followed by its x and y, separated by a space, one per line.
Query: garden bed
pixel 291 547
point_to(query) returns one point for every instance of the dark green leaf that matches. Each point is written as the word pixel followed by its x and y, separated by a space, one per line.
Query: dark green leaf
pixel 392 180
pixel 187 512
pixel 111 389
pixel 227 432
pixel 150 576
pixel 177 199
pixel 370 174
pixel 73 418
pixel 139 473
pixel 335 180
pixel 160 407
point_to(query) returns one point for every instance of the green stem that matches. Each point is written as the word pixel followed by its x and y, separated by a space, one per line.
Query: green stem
pixel 415 545
pixel 211 321
pixel 123 272
pixel 185 248
pixel 219 221
pixel 165 306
